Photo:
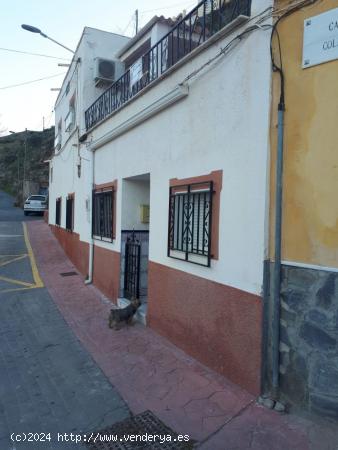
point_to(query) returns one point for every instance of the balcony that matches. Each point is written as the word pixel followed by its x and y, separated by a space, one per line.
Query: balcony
pixel 199 25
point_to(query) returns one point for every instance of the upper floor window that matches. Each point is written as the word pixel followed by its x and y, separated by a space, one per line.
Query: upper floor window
pixel 58 137
pixel 70 117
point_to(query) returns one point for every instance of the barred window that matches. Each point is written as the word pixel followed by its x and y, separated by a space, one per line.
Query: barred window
pixel 190 211
pixel 58 211
pixel 103 208
pixel 70 213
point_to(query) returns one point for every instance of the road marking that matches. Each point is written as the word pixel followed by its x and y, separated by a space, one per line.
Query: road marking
pixel 13 258
pixel 9 261
pixel 10 235
pixel 19 282
pixel 10 256
pixel 17 289
pixel 36 275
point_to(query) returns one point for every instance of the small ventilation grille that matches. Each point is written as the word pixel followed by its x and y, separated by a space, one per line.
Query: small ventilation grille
pixel 137 428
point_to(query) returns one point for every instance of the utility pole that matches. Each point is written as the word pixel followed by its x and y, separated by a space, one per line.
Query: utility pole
pixel 24 167
pixel 136 21
pixel 18 182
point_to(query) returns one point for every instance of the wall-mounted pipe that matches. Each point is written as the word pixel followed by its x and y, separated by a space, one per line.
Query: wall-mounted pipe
pixel 91 242
pixel 276 282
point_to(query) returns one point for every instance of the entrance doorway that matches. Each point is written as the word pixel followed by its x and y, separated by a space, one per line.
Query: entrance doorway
pixel 132 267
pixel 135 242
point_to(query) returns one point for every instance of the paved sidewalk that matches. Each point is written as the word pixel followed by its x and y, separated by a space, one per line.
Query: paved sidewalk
pixel 151 373
pixel 49 384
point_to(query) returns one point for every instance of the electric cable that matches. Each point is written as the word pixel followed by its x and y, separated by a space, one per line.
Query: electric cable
pixel 32 54
pixel 58 99
pixel 225 49
pixel 168 7
pixel 126 28
pixel 279 67
pixel 267 13
pixel 261 17
pixel 32 81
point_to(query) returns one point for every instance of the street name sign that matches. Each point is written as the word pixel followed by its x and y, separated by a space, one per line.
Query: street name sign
pixel 320 41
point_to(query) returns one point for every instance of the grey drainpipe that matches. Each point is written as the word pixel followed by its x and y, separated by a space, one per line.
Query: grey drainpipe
pixel 89 279
pixel 278 240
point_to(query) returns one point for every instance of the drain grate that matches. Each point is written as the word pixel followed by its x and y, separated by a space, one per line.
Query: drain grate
pixel 68 274
pixel 134 434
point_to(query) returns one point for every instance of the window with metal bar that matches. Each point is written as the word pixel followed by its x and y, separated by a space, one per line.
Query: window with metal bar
pixel 58 211
pixel 190 213
pixel 70 213
pixel 103 210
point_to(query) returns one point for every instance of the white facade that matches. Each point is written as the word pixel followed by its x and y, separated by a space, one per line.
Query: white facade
pixel 218 120
pixel 78 87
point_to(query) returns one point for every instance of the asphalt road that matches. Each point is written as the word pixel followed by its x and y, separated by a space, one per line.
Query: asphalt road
pixel 12 214
pixel 49 384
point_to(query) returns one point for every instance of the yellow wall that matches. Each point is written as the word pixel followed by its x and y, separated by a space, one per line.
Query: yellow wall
pixel 310 187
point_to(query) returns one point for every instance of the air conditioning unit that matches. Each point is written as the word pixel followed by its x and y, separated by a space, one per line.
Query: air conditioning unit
pixel 107 71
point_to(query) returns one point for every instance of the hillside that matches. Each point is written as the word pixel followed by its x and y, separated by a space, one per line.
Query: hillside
pixel 14 167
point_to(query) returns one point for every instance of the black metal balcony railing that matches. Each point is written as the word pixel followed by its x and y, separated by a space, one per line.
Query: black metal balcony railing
pixel 206 19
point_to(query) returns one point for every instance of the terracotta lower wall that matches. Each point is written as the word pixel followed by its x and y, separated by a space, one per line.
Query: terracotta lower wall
pixel 76 250
pixel 216 324
pixel 106 276
pixel 106 264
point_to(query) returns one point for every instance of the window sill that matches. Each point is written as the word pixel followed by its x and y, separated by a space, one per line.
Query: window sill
pixel 200 260
pixel 103 239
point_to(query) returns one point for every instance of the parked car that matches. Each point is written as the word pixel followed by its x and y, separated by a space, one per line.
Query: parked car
pixel 36 204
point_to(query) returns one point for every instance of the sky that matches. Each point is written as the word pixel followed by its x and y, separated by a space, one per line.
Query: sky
pixel 31 105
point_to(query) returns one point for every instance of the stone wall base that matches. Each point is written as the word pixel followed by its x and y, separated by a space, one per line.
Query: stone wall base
pixel 308 340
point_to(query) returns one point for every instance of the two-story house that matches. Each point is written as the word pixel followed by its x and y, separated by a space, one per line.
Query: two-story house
pixel 159 182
